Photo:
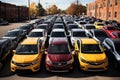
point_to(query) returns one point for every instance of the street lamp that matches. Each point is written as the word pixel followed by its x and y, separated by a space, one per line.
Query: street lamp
pixel 29 10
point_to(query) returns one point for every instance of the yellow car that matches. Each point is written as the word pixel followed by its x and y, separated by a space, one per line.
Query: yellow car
pixel 90 55
pixel 28 55
pixel 98 25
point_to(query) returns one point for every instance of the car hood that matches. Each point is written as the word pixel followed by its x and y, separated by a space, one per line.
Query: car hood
pixel 59 57
pixel 93 57
pixel 24 58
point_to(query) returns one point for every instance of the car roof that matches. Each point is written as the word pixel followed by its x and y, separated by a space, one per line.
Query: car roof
pixel 37 30
pixel 88 41
pixel 2 40
pixel 59 41
pixel 81 30
pixel 58 30
pixel 29 41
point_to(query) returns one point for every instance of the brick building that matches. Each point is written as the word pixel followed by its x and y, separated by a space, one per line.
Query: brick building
pixel 104 9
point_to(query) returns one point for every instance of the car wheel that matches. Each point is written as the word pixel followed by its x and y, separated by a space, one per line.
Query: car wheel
pixel 115 65
pixel 0 65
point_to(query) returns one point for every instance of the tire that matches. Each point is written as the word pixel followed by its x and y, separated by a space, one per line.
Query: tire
pixel 0 65
pixel 116 65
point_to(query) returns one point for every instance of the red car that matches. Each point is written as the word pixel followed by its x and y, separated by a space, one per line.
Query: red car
pixel 115 34
pixel 59 57
pixel 109 29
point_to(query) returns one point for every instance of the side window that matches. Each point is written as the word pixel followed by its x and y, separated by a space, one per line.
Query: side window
pixel 78 42
pixel 109 44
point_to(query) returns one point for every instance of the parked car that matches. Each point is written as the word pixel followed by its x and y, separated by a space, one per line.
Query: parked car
pixel 58 26
pixel 57 33
pixel 43 26
pixel 98 35
pixel 98 25
pixel 76 34
pixel 16 35
pixel 115 34
pixel 27 28
pixel 59 57
pixel 28 55
pixel 3 22
pixel 5 49
pixel 37 33
pixel 109 29
pixel 72 26
pixel 113 46
pixel 91 55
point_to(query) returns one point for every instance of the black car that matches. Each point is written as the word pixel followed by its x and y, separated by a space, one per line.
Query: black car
pixel 98 35
pixel 15 35
pixel 113 46
pixel 27 28
pixel 5 49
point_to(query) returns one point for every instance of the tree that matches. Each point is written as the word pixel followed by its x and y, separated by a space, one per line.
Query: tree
pixel 75 9
pixel 40 10
pixel 33 9
pixel 53 9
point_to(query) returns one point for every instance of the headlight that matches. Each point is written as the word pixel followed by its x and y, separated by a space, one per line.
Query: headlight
pixel 83 60
pixel 70 61
pixel 106 60
pixel 35 61
pixel 48 61
pixel 13 62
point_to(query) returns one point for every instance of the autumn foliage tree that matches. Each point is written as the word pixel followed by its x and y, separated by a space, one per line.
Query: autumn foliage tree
pixel 33 9
pixel 53 9
pixel 75 9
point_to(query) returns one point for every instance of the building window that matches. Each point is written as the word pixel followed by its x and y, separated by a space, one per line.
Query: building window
pixel 116 2
pixel 110 2
pixel 115 15
pixel 109 14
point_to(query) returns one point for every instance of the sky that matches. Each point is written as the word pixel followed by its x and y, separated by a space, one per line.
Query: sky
pixel 62 4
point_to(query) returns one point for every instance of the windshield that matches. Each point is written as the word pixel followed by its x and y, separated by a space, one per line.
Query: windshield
pixel 58 26
pixel 91 48
pixel 90 27
pixel 73 26
pixel 117 47
pixel 100 24
pixel 58 49
pixel 58 34
pixel 100 34
pixel 27 49
pixel 41 27
pixel 111 28
pixel 12 34
pixel 35 34
pixel 79 34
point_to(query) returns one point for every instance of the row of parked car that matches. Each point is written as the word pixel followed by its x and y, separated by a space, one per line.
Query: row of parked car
pixel 60 39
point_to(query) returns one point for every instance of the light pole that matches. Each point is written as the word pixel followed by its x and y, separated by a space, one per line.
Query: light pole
pixel 29 10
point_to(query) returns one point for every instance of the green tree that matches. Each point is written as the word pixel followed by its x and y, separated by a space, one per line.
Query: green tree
pixel 40 10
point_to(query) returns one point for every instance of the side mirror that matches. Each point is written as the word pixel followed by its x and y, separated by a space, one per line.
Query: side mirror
pixel 46 51
pixel 14 51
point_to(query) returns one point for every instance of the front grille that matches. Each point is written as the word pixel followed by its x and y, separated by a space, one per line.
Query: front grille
pixel 23 65
pixel 59 63
pixel 95 63
pixel 96 69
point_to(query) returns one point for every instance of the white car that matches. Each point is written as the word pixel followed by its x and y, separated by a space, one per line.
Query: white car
pixel 76 34
pixel 37 33
pixel 57 33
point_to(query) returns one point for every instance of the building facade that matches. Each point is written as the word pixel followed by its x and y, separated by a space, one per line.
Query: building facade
pixel 104 9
